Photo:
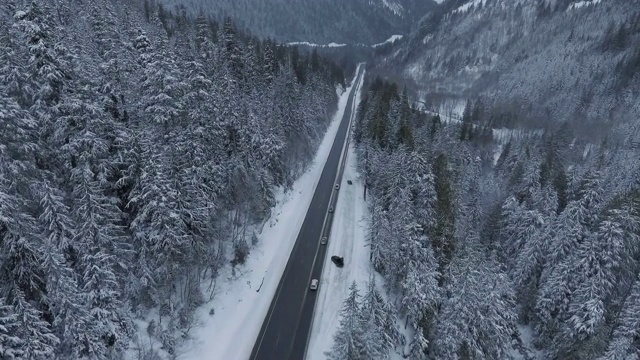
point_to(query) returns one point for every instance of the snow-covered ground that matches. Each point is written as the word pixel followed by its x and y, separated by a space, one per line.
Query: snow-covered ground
pixel 229 331
pixel 524 350
pixel 471 4
pixel 580 4
pixel 396 8
pixel 392 39
pixel 306 43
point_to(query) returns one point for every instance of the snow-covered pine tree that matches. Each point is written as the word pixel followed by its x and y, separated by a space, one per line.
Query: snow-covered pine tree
pixel 400 239
pixel 571 229
pixel 420 291
pixel 378 338
pixel 269 62
pixel 37 340
pixel 623 344
pixel 64 299
pixel 231 52
pixel 477 317
pixel 423 193
pixel 9 343
pixel 46 66
pixel 523 244
pixel 348 341
pixel 598 259
pixel 376 235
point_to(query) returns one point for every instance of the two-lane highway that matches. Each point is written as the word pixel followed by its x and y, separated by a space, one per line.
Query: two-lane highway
pixel 286 328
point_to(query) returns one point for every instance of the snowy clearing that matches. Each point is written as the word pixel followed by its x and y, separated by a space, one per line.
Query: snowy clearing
pixel 580 4
pixel 306 43
pixel 396 8
pixel 239 308
pixel 524 350
pixel 474 3
pixel 391 40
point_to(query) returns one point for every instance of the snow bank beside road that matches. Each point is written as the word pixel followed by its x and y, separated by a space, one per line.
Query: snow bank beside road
pixel 240 309
pixel 347 239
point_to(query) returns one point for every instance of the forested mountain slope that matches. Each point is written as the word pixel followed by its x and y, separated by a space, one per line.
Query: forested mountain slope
pixel 320 21
pixel 134 152
pixel 531 254
pixel 514 247
pixel 560 59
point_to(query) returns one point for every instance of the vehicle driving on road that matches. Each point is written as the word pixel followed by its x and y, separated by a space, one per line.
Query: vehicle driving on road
pixel 314 284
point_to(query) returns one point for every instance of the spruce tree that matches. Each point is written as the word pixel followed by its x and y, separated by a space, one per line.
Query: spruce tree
pixel 348 341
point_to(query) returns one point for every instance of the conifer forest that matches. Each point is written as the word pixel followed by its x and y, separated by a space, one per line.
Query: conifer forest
pixel 144 145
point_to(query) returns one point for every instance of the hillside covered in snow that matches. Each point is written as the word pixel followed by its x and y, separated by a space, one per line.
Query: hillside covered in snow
pixel 323 21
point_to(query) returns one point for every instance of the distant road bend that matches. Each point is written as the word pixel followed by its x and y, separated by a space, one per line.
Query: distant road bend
pixel 287 326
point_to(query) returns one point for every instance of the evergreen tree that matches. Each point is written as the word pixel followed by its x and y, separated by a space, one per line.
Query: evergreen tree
pixel 348 341
pixel 64 298
pixel 477 318
pixel 443 231
pixel 232 52
pixel 599 256
pixel 623 344
pixel 9 343
pixel 37 341
pixel 380 334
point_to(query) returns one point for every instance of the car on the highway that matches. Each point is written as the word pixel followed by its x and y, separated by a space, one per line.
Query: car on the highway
pixel 337 186
pixel 349 182
pixel 314 284
pixel 330 209
pixel 324 240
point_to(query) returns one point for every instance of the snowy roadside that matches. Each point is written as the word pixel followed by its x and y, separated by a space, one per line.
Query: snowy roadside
pixel 347 239
pixel 242 301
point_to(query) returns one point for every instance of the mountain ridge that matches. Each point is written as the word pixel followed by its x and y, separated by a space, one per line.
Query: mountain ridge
pixel 552 56
pixel 325 21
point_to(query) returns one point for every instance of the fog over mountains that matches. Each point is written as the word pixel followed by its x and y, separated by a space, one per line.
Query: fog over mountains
pixel 323 21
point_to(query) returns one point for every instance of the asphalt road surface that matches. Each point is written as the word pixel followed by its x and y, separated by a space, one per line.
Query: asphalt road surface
pixel 287 326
